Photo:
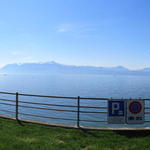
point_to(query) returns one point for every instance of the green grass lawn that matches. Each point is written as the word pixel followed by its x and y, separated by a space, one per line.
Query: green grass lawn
pixel 39 137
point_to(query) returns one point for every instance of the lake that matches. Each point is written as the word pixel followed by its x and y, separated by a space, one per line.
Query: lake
pixel 105 86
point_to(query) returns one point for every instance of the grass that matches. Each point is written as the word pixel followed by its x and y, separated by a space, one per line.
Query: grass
pixel 39 137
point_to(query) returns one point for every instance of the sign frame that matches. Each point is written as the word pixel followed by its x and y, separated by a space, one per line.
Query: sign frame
pixel 135 111
pixel 116 113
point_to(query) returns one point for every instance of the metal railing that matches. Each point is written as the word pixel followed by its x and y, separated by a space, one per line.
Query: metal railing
pixel 77 108
pixel 39 106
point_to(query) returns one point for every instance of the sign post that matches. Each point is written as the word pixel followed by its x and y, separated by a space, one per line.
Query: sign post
pixel 135 111
pixel 116 111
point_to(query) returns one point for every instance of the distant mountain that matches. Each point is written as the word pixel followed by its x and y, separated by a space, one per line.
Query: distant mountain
pixel 145 70
pixel 53 67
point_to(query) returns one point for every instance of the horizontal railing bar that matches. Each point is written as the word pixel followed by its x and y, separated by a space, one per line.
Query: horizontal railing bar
pixel 146 112
pixel 8 93
pixel 58 105
pixel 93 112
pixel 7 111
pixel 60 109
pixel 52 117
pixel 8 104
pixel 46 104
pixel 63 97
pixel 62 105
pixel 93 107
pixel 93 121
pixel 53 109
pixel 7 100
pixel 92 98
pixel 53 104
pixel 48 96
pixel 47 117
pixel 47 108
pixel 147 107
pixel 38 95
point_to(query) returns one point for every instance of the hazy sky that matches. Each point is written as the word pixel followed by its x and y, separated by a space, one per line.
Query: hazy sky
pixel 76 32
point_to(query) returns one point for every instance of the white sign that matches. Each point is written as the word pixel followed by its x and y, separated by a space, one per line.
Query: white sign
pixel 116 111
pixel 135 111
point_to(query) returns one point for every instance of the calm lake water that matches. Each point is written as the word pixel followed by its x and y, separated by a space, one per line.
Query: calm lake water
pixel 105 86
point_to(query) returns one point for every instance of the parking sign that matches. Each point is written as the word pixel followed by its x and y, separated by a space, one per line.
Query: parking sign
pixel 116 111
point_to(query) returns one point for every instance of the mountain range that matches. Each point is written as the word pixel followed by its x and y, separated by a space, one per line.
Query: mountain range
pixel 53 67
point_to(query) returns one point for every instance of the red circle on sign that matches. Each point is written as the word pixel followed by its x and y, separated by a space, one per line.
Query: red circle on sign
pixel 135 107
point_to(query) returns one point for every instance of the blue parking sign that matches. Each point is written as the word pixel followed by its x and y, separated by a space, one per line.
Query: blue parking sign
pixel 116 108
pixel 116 111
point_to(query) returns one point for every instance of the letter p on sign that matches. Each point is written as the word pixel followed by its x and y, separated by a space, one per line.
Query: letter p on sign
pixel 115 107
pixel 116 111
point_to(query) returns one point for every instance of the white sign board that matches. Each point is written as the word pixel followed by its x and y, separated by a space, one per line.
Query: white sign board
pixel 116 111
pixel 135 111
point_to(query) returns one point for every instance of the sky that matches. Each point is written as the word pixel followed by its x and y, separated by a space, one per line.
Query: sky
pixel 76 32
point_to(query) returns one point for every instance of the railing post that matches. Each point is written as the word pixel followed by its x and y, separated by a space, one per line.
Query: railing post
pixel 78 113
pixel 17 106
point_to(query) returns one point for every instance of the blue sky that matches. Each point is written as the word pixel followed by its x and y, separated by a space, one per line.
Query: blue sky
pixel 76 32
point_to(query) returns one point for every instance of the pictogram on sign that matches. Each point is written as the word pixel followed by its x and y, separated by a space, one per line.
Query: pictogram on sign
pixel 135 107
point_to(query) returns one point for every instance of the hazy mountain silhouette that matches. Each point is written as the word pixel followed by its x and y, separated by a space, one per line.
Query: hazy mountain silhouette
pixel 53 67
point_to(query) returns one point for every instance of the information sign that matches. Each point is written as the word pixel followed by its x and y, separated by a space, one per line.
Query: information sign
pixel 135 111
pixel 116 111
